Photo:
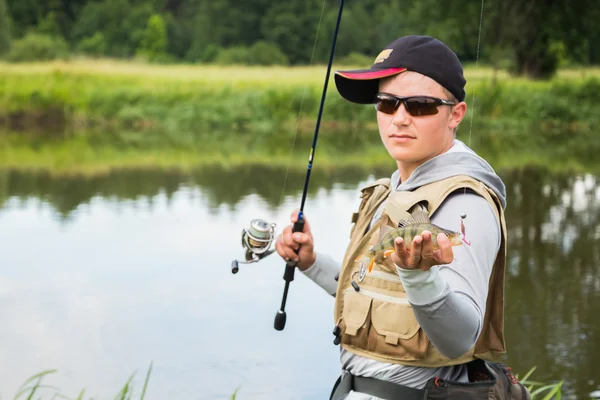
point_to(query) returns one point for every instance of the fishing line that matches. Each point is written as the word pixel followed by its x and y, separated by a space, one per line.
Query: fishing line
pixel 464 215
pixel 476 65
pixel 301 106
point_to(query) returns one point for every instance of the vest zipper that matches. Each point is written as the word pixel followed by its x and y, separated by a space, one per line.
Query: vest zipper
pixel 379 296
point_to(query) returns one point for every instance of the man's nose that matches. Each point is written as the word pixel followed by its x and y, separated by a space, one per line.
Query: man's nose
pixel 401 116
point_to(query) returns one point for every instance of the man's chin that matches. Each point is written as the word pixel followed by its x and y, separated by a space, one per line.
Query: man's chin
pixel 404 155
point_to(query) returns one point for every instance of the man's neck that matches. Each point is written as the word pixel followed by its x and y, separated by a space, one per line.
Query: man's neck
pixel 406 170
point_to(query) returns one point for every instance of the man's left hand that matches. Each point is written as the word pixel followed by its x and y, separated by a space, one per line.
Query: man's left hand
pixel 421 254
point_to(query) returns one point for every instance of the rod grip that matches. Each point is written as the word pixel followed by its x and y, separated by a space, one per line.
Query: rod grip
pixel 299 224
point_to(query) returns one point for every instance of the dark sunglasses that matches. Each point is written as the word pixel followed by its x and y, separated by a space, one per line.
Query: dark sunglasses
pixel 415 105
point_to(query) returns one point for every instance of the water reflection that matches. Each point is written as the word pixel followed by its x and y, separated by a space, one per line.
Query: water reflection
pixel 131 277
pixel 554 279
pixel 221 186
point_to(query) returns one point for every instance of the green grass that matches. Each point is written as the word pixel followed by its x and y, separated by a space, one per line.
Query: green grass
pixel 540 390
pixel 91 116
pixel 183 98
pixel 33 387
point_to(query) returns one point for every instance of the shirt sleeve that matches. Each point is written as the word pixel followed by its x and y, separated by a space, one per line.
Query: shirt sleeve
pixel 449 300
pixel 324 272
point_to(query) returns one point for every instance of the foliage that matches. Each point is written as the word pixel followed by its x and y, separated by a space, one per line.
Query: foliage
pixel 540 390
pixel 260 53
pixel 33 386
pixel 533 38
pixel 154 40
pixel 93 46
pixel 38 47
pixel 4 28
pixel 188 111
pixel 201 99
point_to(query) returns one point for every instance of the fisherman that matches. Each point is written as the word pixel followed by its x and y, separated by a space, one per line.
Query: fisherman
pixel 427 314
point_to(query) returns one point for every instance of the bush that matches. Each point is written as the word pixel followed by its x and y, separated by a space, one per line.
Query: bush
pixel 37 47
pixel 94 46
pixel 357 59
pixel 261 53
pixel 265 53
pixel 233 55
pixel 154 41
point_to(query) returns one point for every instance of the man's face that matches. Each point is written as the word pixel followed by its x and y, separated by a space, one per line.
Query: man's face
pixel 414 140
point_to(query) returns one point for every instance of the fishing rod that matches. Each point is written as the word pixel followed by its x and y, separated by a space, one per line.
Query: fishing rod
pixel 257 240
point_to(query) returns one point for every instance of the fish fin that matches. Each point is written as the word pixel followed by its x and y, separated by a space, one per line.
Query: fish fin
pixel 365 259
pixel 384 230
pixel 402 223
pixel 418 216
pixel 371 264
pixel 387 253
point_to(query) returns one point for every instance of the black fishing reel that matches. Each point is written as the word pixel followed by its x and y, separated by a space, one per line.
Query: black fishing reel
pixel 256 241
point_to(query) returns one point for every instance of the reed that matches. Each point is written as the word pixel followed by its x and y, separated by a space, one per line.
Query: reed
pixel 33 388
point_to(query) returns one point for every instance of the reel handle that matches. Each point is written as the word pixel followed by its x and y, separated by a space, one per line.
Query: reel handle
pixel 288 276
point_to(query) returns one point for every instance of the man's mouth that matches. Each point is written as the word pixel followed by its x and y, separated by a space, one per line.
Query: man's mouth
pixel 401 136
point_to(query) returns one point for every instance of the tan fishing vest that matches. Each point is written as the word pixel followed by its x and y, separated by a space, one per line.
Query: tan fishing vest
pixel 376 321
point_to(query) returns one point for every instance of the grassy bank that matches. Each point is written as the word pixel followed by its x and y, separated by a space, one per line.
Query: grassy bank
pixel 197 99
pixel 91 116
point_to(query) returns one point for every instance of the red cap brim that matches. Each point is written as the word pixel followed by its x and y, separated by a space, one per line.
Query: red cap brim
pixel 361 86
pixel 368 74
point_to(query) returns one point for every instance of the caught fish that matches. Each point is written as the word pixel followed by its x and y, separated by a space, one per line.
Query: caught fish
pixel 407 230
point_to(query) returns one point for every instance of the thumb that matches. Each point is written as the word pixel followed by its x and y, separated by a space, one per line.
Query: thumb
pixel 302 238
pixel 294 218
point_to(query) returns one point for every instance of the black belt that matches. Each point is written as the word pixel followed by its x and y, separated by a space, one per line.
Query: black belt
pixel 375 387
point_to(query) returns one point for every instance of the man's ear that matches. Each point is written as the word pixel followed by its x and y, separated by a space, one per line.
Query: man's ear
pixel 457 114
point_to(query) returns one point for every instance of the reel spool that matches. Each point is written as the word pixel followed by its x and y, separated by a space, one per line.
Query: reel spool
pixel 256 241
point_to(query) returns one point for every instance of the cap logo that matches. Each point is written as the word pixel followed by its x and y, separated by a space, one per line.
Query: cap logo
pixel 381 57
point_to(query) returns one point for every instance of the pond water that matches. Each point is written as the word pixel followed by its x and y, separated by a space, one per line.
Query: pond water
pixel 103 276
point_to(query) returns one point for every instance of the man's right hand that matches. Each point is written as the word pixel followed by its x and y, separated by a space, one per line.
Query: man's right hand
pixel 298 246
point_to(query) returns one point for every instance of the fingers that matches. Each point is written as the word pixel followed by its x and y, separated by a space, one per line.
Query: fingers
pixel 444 255
pixel 285 251
pixel 427 247
pixel 288 238
pixel 302 238
pixel 415 251
pixel 295 245
pixel 401 256
pixel 422 255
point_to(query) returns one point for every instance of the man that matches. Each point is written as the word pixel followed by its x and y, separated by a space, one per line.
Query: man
pixel 424 315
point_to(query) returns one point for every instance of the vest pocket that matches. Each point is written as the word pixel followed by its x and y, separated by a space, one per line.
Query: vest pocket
pixel 396 331
pixel 355 322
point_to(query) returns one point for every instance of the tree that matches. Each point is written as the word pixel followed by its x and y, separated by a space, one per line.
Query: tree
pixel 4 28
pixel 154 42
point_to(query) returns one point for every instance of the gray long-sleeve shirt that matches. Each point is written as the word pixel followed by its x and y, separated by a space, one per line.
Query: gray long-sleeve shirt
pixel 448 300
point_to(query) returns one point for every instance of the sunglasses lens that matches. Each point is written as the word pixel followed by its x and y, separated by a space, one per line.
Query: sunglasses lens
pixel 420 106
pixel 387 105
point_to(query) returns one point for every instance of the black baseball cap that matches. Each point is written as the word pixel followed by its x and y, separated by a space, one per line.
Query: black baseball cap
pixel 423 54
